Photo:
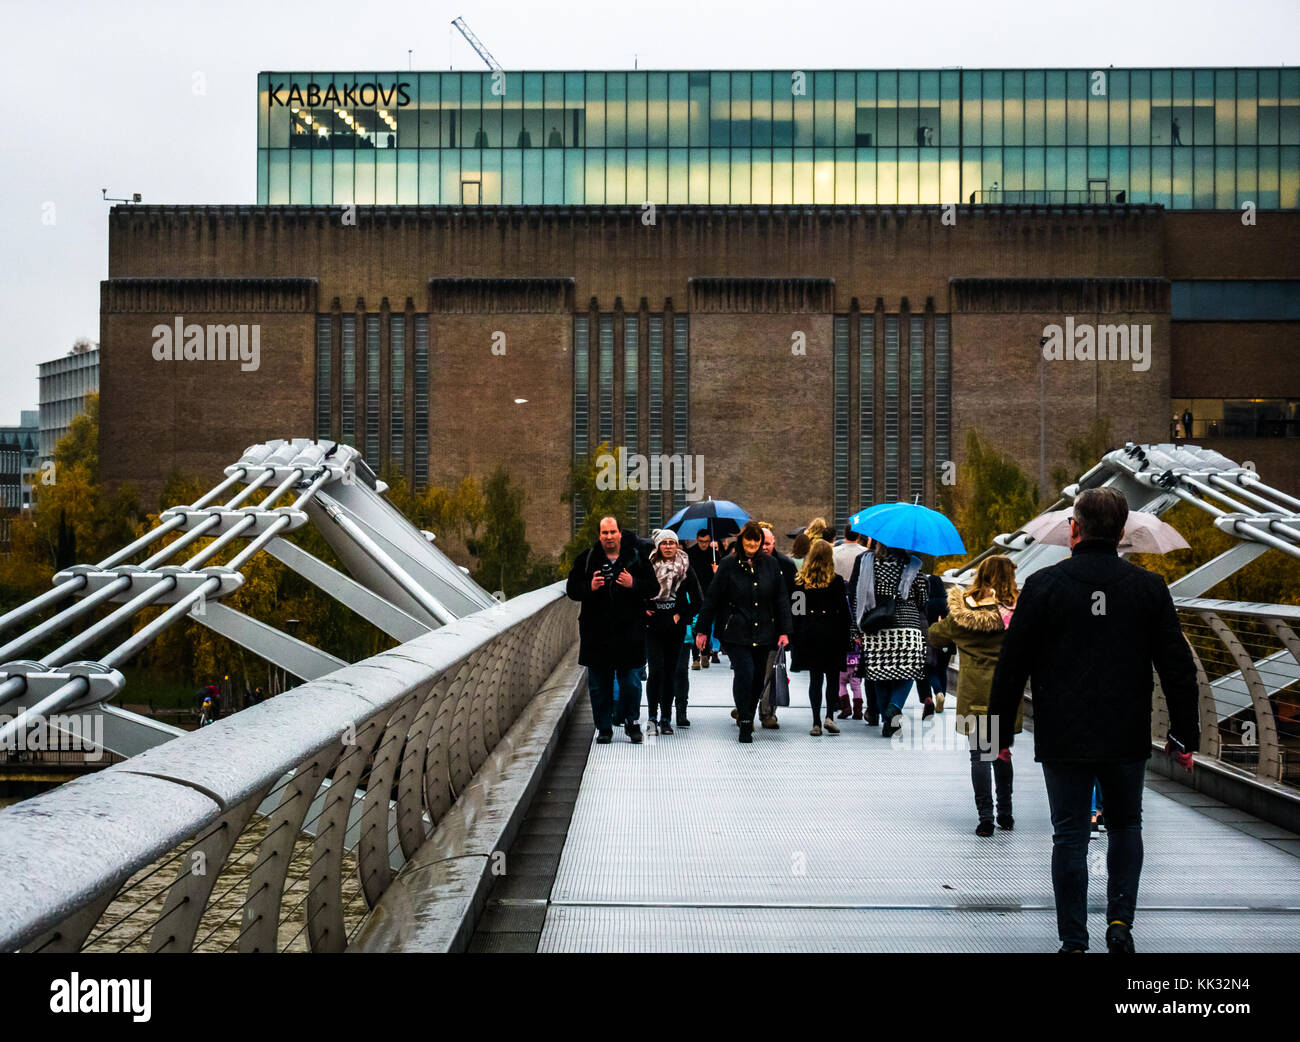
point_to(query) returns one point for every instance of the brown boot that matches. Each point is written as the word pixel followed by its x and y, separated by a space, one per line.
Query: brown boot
pixel 846 710
pixel 857 709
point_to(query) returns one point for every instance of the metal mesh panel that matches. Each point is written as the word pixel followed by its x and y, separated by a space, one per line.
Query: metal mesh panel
pixel 867 410
pixel 656 418
pixel 892 418
pixel 581 404
pixel 631 396
pixel 841 393
pixel 916 407
pixel 606 389
pixel 324 366
pixel 397 399
pixel 372 391
pixel 681 394
pixel 349 425
pixel 942 390
pixel 420 379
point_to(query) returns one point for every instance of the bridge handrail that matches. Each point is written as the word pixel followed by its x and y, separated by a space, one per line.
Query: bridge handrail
pixel 434 707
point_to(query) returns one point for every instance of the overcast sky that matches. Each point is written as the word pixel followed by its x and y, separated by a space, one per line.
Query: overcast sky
pixel 101 95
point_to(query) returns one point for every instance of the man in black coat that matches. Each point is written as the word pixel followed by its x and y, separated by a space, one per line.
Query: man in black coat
pixel 1086 634
pixel 613 580
pixel 704 558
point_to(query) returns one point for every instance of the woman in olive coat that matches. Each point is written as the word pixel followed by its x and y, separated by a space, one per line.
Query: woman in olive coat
pixel 976 623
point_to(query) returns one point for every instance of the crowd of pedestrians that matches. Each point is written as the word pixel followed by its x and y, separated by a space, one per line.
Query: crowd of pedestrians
pixel 866 623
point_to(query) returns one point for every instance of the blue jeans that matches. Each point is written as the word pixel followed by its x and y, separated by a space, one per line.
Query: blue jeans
pixel 891 692
pixel 1069 794
pixel 600 685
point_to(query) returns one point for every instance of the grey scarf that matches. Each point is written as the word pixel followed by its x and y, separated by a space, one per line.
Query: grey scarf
pixel 864 598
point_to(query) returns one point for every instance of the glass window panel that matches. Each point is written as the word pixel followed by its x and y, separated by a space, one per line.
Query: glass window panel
pixel 636 176
pixel 553 179
pixel 928 168
pixel 1182 176
pixel 429 191
pixel 657 175
pixel 657 110
pixel 678 176
pixel 991 173
pixel 908 176
pixel 866 176
pixel 803 120
pixel 782 110
pixel 1118 86
pixel 845 178
pixel 616 176
pixel 531 176
pixel 1162 178
pixel 364 178
pixel 1225 187
pixel 636 109
pixel 761 176
pixel 886 109
pixel 1203 104
pixel 803 175
pixel 719 110
pixel 575 180
pixel 824 108
pixel 739 191
pixel 782 176
pixel 698 111
pixel 991 106
pixel 1140 108
pixel 1117 178
pixel 1013 108
pixel 1098 163
pixel 1099 105
pixel 386 177
pixel 1013 171
pixel 949 108
pixel 699 176
pixel 887 176
pixel 1035 108
pixel 344 177
pixel 970 108
pixel 761 108
pixel 1054 98
pixel 824 175
pixel 678 109
pixel 949 176
pixel 1247 178
pixel 865 115
pixel 1139 175
pixel 719 175
pixel 909 115
pixel 595 109
pixel 1247 106
pixel 1289 107
pixel 1269 183
pixel 299 175
pixel 1055 170
pixel 1076 111
pixel 322 176
pixel 408 176
pixel 595 180
pixel 1289 178
pixel 512 177
pixel 845 109
pixel 616 110
pixel 1225 107
pixel 740 109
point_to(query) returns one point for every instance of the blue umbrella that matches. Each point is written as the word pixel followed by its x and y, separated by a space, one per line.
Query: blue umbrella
pixel 720 516
pixel 909 526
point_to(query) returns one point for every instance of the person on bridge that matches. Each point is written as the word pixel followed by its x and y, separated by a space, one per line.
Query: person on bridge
pixel 704 558
pixel 751 605
pixel 675 602
pixel 845 555
pixel 887 596
pixel 1086 634
pixel 789 570
pixel 976 622
pixel 820 640
pixel 613 582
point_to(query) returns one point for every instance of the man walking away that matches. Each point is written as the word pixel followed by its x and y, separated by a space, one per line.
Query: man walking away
pixel 613 582
pixel 1086 634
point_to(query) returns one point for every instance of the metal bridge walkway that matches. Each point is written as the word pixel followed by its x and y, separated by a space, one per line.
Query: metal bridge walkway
pixel 694 842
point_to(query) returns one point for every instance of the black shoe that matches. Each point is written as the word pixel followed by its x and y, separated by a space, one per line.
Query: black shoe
pixel 1063 950
pixel 747 731
pixel 984 828
pixel 928 711
pixel 651 727
pixel 873 719
pixel 1119 938
pixel 683 722
pixel 1006 822
pixel 604 738
pixel 665 727
pixel 633 731
pixel 891 725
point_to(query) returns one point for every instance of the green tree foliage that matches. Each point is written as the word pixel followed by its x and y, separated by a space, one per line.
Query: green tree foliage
pixel 598 502
pixel 992 495
pixel 503 552
pixel 1084 453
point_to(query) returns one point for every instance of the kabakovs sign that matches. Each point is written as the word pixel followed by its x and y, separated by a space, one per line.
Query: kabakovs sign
pixel 313 95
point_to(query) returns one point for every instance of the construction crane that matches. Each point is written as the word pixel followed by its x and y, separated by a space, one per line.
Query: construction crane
pixel 483 52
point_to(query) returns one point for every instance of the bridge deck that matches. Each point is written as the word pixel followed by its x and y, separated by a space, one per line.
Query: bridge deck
pixel 694 842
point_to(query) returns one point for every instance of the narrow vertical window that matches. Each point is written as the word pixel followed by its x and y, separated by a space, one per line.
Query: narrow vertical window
pixel 656 373
pixel 891 408
pixel 916 407
pixel 841 394
pixel 372 392
pixel 397 397
pixel 420 394
pixel 867 410
pixel 324 354
pixel 681 397
pixel 349 425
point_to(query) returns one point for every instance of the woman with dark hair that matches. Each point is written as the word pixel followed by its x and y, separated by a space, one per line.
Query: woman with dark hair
pixel 748 609
pixel 821 630
pixel 887 596
pixel 671 608
pixel 977 622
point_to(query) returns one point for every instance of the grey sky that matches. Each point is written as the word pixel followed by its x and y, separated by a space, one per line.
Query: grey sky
pixel 98 94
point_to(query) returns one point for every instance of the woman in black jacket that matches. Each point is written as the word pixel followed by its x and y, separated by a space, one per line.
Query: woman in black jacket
pixel 821 630
pixel 675 602
pixel 748 609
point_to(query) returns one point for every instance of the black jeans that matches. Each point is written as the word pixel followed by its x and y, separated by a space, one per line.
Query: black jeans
pixel 683 686
pixel 984 772
pixel 1069 794
pixel 750 665
pixel 663 652
pixel 815 680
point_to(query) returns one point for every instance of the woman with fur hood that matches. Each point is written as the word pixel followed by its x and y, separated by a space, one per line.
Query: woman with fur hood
pixel 976 623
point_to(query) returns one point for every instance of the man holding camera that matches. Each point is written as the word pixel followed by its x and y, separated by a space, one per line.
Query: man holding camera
pixel 612 581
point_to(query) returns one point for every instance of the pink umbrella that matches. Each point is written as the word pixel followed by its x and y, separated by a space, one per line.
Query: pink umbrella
pixel 1143 533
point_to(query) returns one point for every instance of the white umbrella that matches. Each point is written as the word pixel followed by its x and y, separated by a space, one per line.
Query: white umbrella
pixel 1143 533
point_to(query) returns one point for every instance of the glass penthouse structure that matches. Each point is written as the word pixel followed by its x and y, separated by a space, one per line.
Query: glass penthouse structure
pixel 1187 139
